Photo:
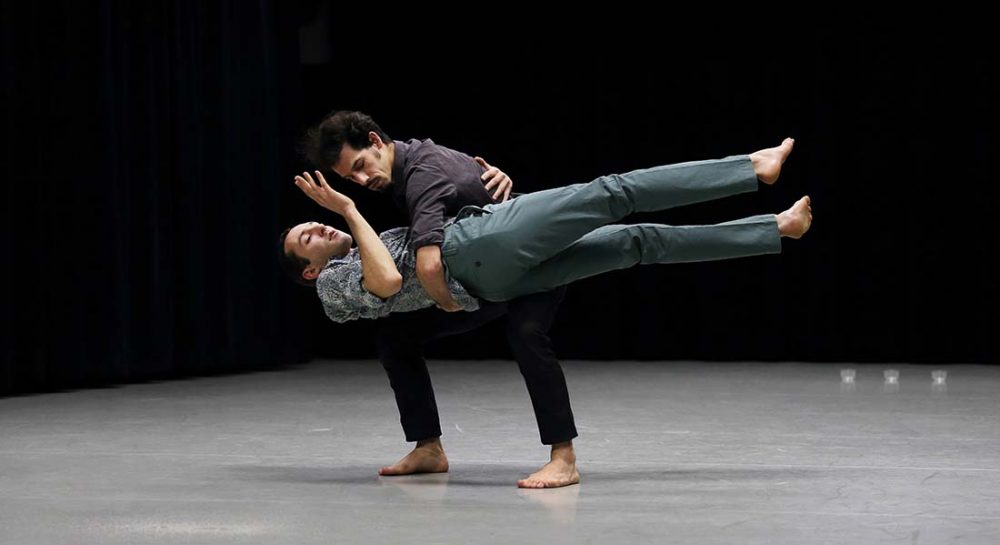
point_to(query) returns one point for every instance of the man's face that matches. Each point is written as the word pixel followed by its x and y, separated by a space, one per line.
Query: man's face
pixel 371 168
pixel 318 243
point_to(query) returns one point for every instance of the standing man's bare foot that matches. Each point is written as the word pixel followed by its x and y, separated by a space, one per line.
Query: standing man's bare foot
pixel 427 457
pixel 767 162
pixel 560 471
pixel 795 221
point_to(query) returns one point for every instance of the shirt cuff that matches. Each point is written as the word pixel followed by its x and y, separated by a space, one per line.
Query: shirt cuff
pixel 429 239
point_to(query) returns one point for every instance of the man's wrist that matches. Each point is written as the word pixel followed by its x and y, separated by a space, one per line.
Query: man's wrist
pixel 350 212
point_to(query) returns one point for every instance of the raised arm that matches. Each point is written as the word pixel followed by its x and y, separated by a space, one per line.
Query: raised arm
pixel 379 272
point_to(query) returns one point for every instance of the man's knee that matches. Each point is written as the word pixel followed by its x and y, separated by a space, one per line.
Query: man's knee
pixel 527 332
pixel 532 348
pixel 618 192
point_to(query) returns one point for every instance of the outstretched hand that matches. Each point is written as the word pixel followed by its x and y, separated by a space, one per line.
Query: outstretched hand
pixel 496 180
pixel 323 194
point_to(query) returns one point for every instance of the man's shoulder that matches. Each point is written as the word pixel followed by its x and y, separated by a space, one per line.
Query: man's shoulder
pixel 418 148
pixel 427 152
pixel 395 233
pixel 336 269
pixel 418 144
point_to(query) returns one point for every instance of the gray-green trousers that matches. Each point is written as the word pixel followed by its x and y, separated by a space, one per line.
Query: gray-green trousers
pixel 543 240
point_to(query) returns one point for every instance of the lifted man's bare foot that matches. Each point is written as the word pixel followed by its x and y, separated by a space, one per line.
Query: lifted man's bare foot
pixel 767 162
pixel 560 471
pixel 427 457
pixel 795 221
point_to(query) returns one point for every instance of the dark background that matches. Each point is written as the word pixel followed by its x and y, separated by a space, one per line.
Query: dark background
pixel 150 151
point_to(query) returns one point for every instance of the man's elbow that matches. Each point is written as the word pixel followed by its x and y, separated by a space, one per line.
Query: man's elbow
pixel 429 271
pixel 388 286
pixel 395 283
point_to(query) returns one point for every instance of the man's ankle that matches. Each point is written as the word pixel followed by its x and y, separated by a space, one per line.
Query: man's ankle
pixel 433 443
pixel 564 452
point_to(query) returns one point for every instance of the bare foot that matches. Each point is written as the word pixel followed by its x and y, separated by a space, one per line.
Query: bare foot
pixel 560 471
pixel 427 457
pixel 552 475
pixel 767 162
pixel 795 221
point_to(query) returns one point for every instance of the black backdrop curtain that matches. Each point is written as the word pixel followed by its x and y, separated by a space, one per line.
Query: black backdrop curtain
pixel 149 151
pixel 143 145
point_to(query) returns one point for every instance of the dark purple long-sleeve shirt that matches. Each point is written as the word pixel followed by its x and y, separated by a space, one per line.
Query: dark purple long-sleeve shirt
pixel 432 183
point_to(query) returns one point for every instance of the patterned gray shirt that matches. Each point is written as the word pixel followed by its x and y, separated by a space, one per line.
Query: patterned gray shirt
pixel 345 298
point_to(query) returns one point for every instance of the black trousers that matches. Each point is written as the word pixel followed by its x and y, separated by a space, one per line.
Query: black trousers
pixel 400 340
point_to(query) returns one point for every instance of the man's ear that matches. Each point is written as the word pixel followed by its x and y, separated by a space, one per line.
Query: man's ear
pixel 375 139
pixel 310 272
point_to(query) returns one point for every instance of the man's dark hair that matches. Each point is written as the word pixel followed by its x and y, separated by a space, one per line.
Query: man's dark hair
pixel 292 264
pixel 322 144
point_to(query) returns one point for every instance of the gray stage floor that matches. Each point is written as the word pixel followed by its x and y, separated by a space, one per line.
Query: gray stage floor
pixel 669 453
